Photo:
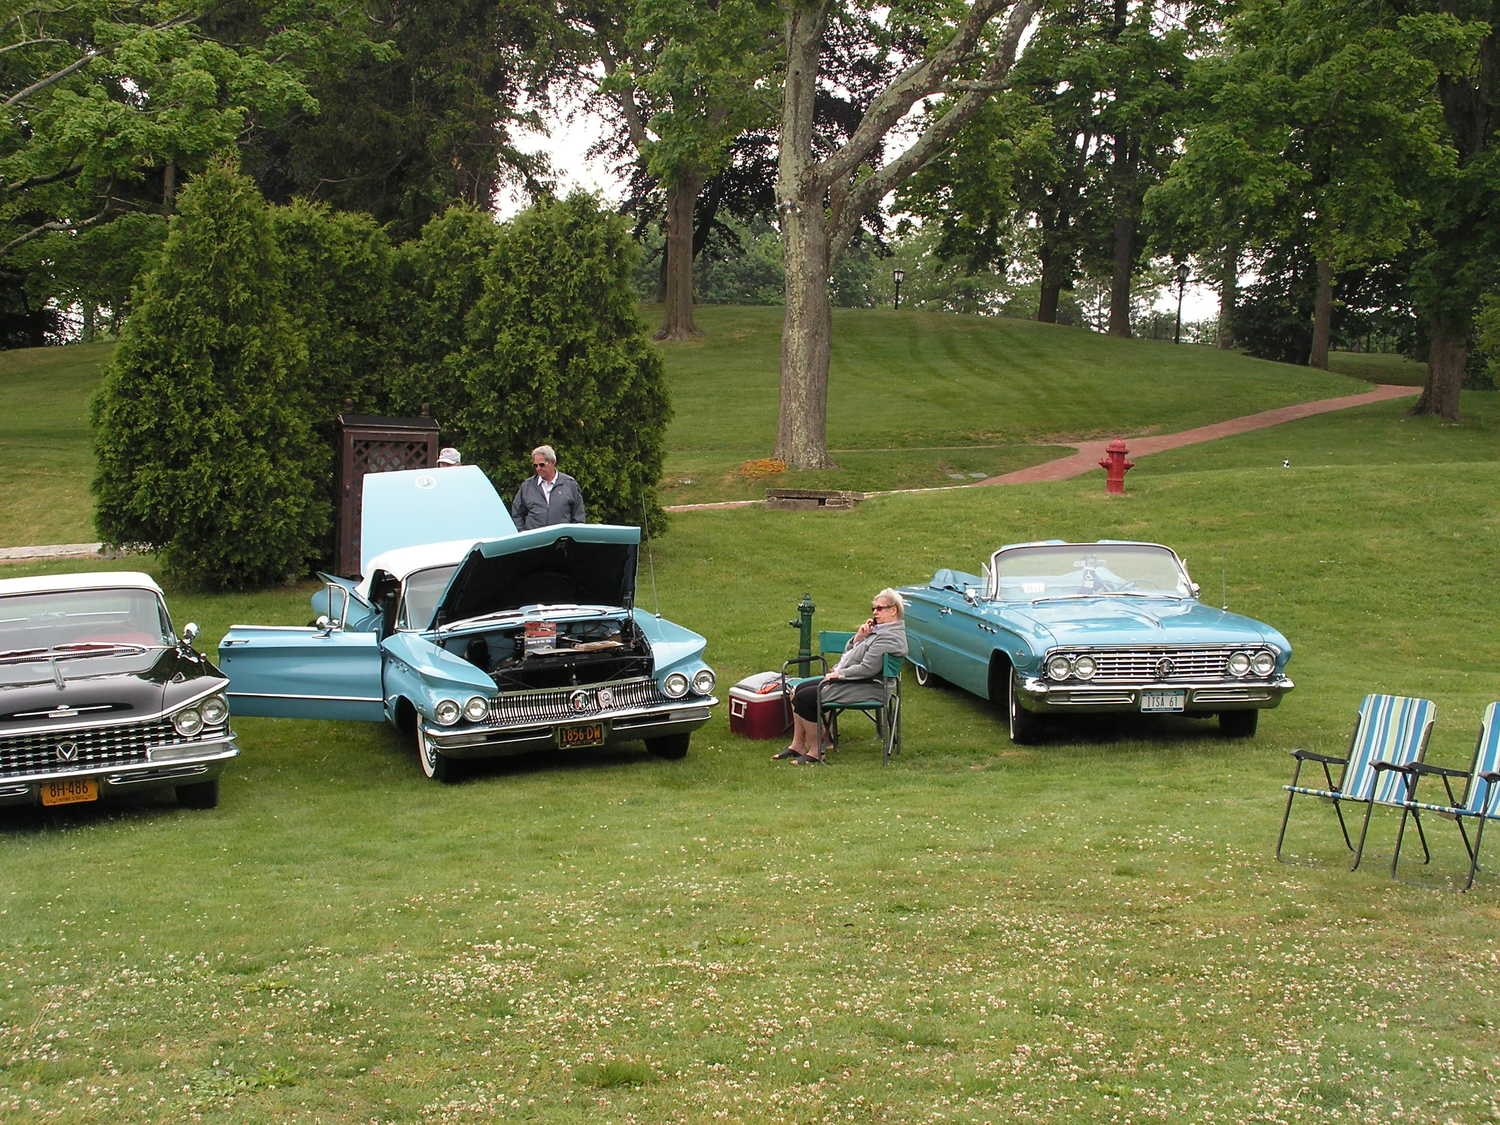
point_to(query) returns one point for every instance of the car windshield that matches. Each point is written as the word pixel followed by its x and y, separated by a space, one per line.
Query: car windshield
pixel 1067 570
pixel 420 599
pixel 51 622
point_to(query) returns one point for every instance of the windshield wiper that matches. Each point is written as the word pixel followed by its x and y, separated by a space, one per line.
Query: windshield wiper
pixel 1102 594
pixel 83 648
pixel 19 654
pixel 71 651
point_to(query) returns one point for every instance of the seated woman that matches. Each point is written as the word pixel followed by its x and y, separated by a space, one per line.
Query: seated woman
pixel 855 678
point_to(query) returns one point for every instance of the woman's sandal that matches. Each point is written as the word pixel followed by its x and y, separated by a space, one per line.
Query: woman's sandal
pixel 809 760
pixel 787 753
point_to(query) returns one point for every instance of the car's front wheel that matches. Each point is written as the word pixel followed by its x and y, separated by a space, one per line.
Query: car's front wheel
pixel 435 764
pixel 199 795
pixel 1239 724
pixel 670 745
pixel 922 675
pixel 1024 726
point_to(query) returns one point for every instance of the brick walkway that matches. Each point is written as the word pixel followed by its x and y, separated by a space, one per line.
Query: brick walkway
pixel 1087 459
pixel 1063 468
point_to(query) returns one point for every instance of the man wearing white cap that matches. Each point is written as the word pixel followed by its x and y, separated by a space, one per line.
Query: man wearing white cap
pixel 449 457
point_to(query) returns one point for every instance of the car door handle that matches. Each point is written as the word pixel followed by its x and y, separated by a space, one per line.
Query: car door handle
pixel 944 611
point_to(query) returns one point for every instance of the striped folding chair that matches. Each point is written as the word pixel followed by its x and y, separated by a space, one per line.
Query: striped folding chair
pixel 1389 735
pixel 1481 799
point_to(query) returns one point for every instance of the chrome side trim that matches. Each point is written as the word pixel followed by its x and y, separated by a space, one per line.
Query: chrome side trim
pixel 233 695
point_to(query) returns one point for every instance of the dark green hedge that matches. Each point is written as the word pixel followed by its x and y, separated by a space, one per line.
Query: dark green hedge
pixel 214 423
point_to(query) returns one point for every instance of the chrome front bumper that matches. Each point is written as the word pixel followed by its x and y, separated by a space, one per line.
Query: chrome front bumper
pixel 500 741
pixel 206 763
pixel 1038 695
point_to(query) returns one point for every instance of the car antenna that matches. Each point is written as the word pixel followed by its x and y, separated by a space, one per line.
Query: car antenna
pixel 1224 586
pixel 650 560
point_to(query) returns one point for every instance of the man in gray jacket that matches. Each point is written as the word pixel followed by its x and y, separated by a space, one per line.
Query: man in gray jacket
pixel 548 497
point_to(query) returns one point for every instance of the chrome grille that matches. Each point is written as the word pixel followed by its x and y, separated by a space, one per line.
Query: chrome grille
pixel 1158 665
pixel 95 747
pixel 554 704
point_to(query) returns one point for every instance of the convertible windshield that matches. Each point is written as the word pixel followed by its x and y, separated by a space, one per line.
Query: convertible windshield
pixel 423 588
pixel 82 621
pixel 1070 570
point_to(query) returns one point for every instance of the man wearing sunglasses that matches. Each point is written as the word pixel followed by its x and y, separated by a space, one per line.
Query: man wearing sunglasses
pixel 547 498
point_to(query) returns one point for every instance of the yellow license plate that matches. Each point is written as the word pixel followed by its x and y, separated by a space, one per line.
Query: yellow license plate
pixel 70 791
pixel 580 734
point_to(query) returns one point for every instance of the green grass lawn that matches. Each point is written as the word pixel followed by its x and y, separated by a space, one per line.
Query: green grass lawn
pixel 1091 929
pixel 915 400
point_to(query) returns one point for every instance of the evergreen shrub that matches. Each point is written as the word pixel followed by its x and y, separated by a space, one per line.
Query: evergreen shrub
pixel 201 427
pixel 556 354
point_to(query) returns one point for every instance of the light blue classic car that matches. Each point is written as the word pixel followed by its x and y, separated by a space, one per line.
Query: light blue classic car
pixel 1083 628
pixel 501 642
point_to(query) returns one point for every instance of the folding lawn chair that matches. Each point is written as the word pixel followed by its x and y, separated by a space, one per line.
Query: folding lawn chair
pixel 1390 734
pixel 885 714
pixel 1481 799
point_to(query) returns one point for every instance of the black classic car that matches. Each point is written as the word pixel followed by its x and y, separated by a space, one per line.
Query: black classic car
pixel 99 696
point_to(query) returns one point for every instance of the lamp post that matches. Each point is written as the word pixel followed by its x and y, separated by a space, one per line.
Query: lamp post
pixel 1182 280
pixel 898 276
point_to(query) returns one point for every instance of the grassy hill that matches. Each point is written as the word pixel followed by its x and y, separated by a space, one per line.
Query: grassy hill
pixel 915 399
pixel 1089 929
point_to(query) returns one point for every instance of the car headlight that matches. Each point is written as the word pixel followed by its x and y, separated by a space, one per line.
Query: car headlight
pixel 1239 663
pixel 704 680
pixel 215 710
pixel 675 685
pixel 477 710
pixel 188 722
pixel 1263 663
pixel 1085 667
pixel 446 712
pixel 1059 667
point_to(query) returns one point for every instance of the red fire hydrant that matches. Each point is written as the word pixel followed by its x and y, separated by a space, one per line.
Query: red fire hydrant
pixel 1114 466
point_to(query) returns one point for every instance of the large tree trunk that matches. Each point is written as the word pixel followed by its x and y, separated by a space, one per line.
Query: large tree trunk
pixel 1229 289
pixel 677 317
pixel 1120 276
pixel 1126 209
pixel 1054 277
pixel 820 201
pixel 807 327
pixel 1448 354
pixel 1322 316
pixel 802 426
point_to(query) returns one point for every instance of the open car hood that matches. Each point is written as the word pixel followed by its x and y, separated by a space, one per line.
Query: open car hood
pixel 566 564
pixel 413 506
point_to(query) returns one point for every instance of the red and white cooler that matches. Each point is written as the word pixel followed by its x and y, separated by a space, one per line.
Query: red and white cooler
pixel 757 707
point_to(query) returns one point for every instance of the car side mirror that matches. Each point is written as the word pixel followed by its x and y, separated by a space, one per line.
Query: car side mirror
pixel 971 595
pixel 190 633
pixel 338 609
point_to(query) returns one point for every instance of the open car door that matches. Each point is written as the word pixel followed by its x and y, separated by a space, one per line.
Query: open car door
pixel 308 672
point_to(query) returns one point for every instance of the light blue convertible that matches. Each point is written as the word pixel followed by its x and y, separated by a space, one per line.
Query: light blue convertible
pixel 1078 628
pixel 500 642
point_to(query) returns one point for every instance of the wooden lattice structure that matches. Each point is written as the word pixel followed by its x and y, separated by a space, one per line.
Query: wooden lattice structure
pixel 369 444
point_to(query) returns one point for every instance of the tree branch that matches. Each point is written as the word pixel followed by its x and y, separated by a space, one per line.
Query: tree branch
pixel 86 58
pixel 864 194
pixel 916 82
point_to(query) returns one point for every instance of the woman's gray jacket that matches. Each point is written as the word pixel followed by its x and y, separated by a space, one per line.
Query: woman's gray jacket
pixel 859 679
